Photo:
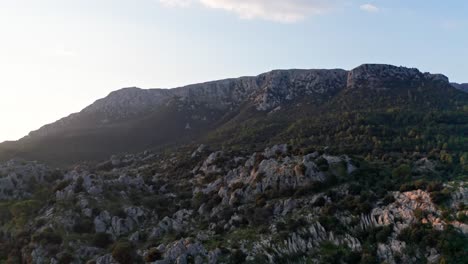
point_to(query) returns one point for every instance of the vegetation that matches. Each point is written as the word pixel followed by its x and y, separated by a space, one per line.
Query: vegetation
pixel 124 253
pixel 397 141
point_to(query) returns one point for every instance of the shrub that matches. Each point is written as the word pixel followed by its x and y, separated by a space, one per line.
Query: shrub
pixel 319 202
pixel 85 225
pixel 301 169
pixel 440 197
pixel 124 253
pixel 402 172
pixel 388 199
pixel 119 212
pixel 383 234
pixel 61 185
pixel 211 177
pixel 79 185
pixel 153 255
pixel 102 240
pixel 330 253
pixel 47 236
pixel 434 187
pixel 354 189
pixel 322 164
pixel 261 216
pixel 419 214
pixel 160 203
pixel 295 224
pixel 237 185
pixel 237 256
pixel 65 258
pixel 54 176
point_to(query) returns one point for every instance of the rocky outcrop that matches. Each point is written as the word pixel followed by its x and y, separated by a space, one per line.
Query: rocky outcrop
pixel 201 206
pixel 303 242
pixel 275 170
pixel 408 208
pixel 382 77
pixel 18 178
pixel 401 213
pixel 282 86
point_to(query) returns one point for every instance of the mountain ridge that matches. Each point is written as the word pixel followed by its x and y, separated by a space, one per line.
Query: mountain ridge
pixel 156 96
pixel 153 117
pixel 461 86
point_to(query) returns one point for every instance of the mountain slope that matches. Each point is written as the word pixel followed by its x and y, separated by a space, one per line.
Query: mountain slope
pixel 133 119
pixel 298 166
pixel 461 86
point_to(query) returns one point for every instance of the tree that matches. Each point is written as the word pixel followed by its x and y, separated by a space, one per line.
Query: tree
pixel 402 172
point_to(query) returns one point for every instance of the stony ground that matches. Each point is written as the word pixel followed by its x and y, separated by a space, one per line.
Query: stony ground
pixel 205 206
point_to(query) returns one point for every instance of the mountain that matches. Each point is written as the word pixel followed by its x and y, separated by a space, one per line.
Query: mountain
pixel 133 119
pixel 291 166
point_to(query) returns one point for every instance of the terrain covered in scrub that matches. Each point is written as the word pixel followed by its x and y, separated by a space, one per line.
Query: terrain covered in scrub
pixel 300 166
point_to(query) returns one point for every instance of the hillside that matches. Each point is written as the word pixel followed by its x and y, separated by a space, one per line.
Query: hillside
pixel 248 111
pixel 291 166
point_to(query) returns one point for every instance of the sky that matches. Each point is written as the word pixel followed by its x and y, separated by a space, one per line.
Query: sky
pixel 58 56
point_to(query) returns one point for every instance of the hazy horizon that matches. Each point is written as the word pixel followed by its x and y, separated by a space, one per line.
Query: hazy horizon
pixel 58 57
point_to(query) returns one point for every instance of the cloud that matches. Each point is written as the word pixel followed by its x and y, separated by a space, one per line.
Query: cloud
pixel 286 11
pixel 369 8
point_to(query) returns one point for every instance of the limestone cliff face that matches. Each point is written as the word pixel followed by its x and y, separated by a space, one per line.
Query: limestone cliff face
pixel 128 102
pixel 280 86
pixel 382 76
pixel 264 92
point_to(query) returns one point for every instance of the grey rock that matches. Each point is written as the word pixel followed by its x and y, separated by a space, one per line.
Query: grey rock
pixel 106 259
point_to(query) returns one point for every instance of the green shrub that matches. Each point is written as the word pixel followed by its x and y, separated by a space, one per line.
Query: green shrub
pixel 124 253
pixel 322 164
pixel 383 234
pixel 402 172
pixel 83 225
pixel 330 253
pixel 439 197
pixel 153 255
pixel 237 257
pixel 388 199
pixel 237 185
pixel 79 187
pixel 101 240
pixel 61 185
pixel 47 236
pixel 65 258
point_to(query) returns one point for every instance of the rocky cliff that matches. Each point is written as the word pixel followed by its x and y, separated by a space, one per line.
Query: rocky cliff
pixel 266 91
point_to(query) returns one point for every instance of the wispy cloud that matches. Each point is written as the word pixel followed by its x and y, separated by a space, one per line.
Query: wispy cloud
pixel 369 8
pixel 286 11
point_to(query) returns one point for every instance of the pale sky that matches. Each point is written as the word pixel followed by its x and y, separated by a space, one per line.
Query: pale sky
pixel 58 56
